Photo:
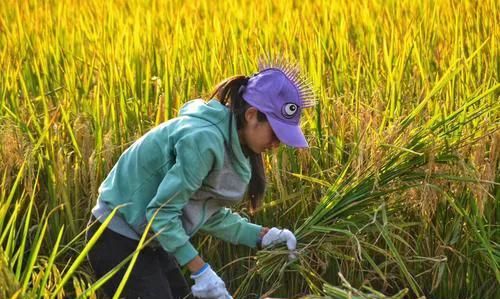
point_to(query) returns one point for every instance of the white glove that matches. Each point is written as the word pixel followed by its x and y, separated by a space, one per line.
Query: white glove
pixel 208 285
pixel 275 236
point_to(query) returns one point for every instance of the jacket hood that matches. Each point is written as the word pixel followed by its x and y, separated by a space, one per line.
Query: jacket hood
pixel 212 111
pixel 218 115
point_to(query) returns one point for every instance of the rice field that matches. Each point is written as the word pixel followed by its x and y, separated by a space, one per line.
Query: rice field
pixel 398 196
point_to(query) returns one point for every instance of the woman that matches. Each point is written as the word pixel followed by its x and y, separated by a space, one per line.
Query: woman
pixel 182 176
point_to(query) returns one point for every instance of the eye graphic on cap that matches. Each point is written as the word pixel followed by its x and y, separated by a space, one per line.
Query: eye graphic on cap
pixel 289 110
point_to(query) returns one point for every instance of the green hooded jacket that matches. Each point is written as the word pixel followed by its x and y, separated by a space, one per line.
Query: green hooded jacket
pixel 188 170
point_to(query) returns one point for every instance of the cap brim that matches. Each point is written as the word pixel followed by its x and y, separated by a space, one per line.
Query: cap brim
pixel 288 134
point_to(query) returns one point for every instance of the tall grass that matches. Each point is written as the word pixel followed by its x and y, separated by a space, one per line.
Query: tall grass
pixel 399 189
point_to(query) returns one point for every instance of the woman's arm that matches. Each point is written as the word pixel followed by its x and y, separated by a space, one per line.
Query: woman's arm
pixel 193 161
pixel 233 228
pixel 195 264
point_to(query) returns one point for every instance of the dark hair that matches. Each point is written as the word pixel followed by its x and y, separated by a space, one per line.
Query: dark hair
pixel 228 92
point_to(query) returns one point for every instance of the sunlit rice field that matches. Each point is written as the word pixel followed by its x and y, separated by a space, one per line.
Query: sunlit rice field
pixel 397 197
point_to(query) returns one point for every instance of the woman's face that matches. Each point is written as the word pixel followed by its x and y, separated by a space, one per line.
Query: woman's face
pixel 257 135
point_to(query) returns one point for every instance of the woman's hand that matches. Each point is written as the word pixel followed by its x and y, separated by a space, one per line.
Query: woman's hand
pixel 209 285
pixel 275 236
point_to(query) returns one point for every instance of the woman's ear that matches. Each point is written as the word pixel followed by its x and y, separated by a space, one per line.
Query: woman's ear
pixel 251 115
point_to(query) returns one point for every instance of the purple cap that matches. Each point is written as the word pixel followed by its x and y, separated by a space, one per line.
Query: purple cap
pixel 281 97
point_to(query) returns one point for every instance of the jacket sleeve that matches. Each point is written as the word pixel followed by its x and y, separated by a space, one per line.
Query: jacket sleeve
pixel 193 161
pixel 233 228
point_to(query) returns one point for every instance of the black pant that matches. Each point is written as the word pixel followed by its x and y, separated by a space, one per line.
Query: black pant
pixel 156 273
